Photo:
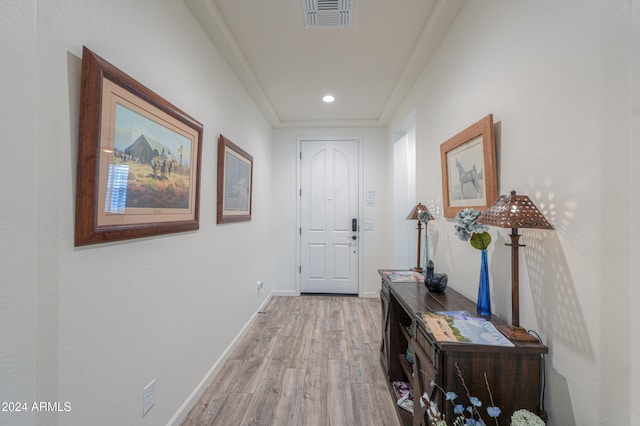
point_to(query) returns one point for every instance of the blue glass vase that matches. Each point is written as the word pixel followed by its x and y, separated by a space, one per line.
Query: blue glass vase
pixel 484 298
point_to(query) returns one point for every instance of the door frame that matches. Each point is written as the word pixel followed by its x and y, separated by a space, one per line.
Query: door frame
pixel 361 233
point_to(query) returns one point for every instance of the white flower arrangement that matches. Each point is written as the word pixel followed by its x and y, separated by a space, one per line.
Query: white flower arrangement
pixel 525 418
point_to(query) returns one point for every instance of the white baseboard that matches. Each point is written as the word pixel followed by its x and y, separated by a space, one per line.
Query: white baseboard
pixel 371 294
pixel 285 293
pixel 186 406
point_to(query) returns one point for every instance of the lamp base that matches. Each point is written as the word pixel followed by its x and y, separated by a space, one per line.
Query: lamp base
pixel 517 334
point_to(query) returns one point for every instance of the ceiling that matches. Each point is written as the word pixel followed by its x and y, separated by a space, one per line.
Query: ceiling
pixel 369 67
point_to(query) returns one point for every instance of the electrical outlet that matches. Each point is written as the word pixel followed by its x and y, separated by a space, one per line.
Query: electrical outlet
pixel 148 397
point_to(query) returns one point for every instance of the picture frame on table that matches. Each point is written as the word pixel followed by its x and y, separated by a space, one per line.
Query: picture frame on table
pixel 235 182
pixel 139 159
pixel 468 161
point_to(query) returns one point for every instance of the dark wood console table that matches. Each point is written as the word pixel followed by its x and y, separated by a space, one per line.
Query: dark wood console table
pixel 514 373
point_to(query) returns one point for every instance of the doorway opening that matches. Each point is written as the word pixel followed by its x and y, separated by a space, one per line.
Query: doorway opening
pixel 404 194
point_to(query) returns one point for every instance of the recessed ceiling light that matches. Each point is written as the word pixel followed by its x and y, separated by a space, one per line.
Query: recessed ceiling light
pixel 328 98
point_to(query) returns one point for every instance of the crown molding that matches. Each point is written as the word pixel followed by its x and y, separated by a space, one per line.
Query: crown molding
pixel 212 21
pixel 440 19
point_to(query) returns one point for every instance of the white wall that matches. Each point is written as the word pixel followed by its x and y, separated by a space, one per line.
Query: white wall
pixel 94 325
pixel 635 212
pixel 374 245
pixel 556 76
pixel 18 75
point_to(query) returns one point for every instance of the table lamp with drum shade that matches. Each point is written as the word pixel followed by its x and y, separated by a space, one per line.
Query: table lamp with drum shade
pixel 413 215
pixel 515 211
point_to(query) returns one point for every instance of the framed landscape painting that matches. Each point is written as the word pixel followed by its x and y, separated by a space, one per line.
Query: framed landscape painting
pixel 138 159
pixel 235 182
pixel 469 168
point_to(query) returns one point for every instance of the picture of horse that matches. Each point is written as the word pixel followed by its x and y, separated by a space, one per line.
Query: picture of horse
pixel 139 158
pixel 158 160
pixel 466 176
pixel 468 160
pixel 471 177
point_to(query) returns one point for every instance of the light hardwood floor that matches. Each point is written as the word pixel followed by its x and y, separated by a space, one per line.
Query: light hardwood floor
pixel 308 360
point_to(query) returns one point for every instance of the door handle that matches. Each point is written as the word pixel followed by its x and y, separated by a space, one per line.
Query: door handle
pixel 354 237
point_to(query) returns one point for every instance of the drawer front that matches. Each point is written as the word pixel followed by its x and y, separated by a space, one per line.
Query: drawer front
pixel 427 370
pixel 428 346
pixel 427 383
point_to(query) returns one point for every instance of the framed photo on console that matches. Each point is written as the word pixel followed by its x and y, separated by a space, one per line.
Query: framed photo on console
pixel 468 161
pixel 138 159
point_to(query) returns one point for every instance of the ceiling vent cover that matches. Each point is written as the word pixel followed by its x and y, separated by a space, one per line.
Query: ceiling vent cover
pixel 327 13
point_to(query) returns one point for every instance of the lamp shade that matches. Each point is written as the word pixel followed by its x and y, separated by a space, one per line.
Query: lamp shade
pixel 514 211
pixel 413 215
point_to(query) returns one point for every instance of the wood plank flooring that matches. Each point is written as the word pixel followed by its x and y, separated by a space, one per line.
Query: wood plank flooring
pixel 308 360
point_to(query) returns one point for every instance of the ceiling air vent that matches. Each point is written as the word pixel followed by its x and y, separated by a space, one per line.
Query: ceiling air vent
pixel 327 13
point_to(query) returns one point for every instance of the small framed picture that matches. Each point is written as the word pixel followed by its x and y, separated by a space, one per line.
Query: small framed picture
pixel 469 176
pixel 235 182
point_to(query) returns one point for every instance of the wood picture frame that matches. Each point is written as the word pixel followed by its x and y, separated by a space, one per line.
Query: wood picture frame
pixel 469 178
pixel 235 182
pixel 139 159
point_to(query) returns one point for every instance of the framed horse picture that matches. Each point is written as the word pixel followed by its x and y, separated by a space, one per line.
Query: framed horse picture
pixel 139 159
pixel 469 178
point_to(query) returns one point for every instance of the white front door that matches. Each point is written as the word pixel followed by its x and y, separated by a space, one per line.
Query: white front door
pixel 329 219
